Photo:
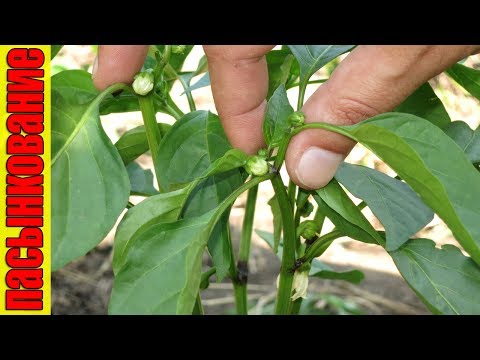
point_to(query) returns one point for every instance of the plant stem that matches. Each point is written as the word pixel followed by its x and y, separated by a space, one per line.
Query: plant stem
pixel 240 293
pixel 283 302
pixel 244 250
pixel 296 306
pixel 173 109
pixel 198 308
pixel 151 128
pixel 292 192
pixel 319 81
pixel 191 102
pixel 301 94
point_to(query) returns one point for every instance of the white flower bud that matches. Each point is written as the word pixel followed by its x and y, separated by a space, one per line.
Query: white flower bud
pixel 143 82
pixel 256 165
pixel 300 285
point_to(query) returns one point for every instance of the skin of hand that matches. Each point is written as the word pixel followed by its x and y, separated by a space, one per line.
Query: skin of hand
pixel 370 81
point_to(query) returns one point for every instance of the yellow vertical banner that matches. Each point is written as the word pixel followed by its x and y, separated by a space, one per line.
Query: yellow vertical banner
pixel 25 180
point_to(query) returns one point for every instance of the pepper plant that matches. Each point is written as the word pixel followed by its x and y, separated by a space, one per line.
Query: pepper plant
pixel 160 242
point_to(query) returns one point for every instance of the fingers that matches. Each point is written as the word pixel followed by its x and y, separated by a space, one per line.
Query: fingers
pixel 117 64
pixel 239 78
pixel 370 81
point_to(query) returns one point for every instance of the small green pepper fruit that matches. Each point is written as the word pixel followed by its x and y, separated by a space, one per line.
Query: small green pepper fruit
pixel 308 229
pixel 296 119
pixel 256 165
pixel 263 153
pixel 306 210
pixel 178 49
pixel 143 82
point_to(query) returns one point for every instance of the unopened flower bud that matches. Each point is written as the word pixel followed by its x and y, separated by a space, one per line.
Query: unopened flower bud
pixel 308 229
pixel 296 119
pixel 256 165
pixel 143 82
pixel 307 209
pixel 263 153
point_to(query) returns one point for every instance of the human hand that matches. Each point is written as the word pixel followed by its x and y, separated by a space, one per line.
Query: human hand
pixel 370 81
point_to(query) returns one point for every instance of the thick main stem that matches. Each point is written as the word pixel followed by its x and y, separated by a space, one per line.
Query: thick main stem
pixel 282 305
pixel 151 128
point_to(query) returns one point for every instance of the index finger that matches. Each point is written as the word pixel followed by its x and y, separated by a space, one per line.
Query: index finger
pixel 239 78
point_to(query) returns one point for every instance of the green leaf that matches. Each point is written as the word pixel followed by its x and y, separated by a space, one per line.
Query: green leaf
pixel 323 271
pixel 424 103
pixel 344 214
pixel 193 144
pixel 154 210
pixel 313 57
pixel 89 181
pixel 466 138
pixel 162 272
pixel 433 165
pixel 445 280
pixel 134 142
pixel 275 123
pixel 318 268
pixel 76 85
pixel 277 222
pixel 202 82
pixel 467 78
pixel 55 49
pixel 279 63
pixel 393 202
pixel 141 180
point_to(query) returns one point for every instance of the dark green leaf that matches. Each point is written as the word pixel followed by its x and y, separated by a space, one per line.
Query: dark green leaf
pixel 424 103
pixel 55 49
pixel 194 143
pixel 154 210
pixel 141 180
pixel 345 215
pixel 279 63
pixel 76 85
pixel 445 280
pixel 433 165
pixel 202 82
pixel 467 78
pixel 134 142
pixel 275 124
pixel 89 181
pixel 393 202
pixel 323 271
pixel 313 57
pixel 161 273
pixel 318 269
pixel 466 138
pixel 277 222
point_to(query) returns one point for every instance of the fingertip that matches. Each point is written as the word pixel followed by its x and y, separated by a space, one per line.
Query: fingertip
pixel 117 64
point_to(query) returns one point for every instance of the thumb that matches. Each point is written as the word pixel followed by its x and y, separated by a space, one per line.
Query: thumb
pixel 370 81
pixel 117 64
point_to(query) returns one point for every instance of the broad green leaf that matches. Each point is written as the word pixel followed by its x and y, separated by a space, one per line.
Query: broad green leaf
pixel 313 57
pixel 55 49
pixel 275 123
pixel 466 77
pixel 134 142
pixel 393 202
pixel 277 222
pixel 202 82
pixel 154 210
pixel 323 271
pixel 76 85
pixel 141 180
pixel 193 144
pixel 318 269
pixel 433 165
pixel 89 181
pixel 345 215
pixel 162 272
pixel 424 103
pixel 466 138
pixel 279 63
pixel 445 280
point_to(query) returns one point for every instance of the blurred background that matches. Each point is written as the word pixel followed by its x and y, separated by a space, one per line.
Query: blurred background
pixel 84 286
